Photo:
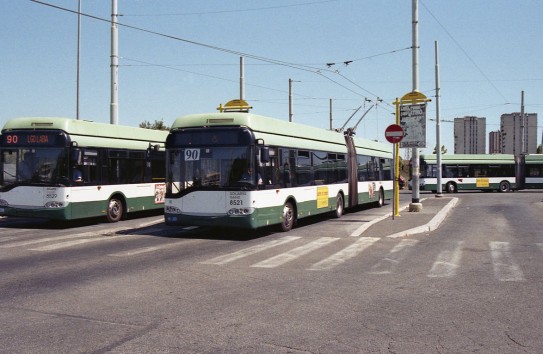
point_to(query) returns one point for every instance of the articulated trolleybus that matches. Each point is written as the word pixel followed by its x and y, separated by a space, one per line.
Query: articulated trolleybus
pixel 243 170
pixel 469 172
pixel 60 168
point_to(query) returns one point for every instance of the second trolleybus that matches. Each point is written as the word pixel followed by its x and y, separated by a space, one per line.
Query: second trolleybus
pixel 530 171
pixel 469 172
pixel 59 168
pixel 244 170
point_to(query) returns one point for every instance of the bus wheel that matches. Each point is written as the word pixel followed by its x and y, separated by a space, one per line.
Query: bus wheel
pixel 450 187
pixel 114 210
pixel 505 186
pixel 339 206
pixel 381 200
pixel 288 217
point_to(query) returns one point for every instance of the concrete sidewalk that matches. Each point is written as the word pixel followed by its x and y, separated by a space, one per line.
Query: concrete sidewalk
pixel 434 211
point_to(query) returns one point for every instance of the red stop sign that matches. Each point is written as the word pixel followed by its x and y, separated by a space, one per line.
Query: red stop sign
pixel 394 133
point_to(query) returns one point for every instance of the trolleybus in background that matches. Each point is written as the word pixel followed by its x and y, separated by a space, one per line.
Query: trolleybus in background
pixel 60 168
pixel 244 170
pixel 469 172
pixel 530 171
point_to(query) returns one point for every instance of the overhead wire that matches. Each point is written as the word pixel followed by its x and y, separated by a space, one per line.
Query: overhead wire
pixel 465 52
pixel 302 67
pixel 232 11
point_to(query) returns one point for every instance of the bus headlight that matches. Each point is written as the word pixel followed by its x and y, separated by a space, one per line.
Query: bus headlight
pixel 172 209
pixel 54 204
pixel 240 211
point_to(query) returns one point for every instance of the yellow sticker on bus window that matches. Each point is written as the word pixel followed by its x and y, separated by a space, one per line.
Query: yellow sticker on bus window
pixel 482 183
pixel 322 197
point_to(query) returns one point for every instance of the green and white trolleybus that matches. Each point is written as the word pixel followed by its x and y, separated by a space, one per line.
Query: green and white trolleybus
pixel 243 170
pixel 531 171
pixel 469 172
pixel 60 168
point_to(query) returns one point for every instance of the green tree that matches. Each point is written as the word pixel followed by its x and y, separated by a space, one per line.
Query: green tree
pixel 157 125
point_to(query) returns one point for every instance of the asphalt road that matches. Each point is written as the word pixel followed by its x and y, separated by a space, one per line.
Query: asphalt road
pixel 473 285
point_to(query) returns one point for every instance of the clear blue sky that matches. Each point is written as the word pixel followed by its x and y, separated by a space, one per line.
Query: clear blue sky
pixel 489 51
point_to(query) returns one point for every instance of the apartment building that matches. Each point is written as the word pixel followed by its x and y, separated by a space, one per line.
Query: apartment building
pixel 517 135
pixel 470 135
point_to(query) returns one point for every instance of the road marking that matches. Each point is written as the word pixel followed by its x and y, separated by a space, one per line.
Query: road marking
pixel 345 254
pixel 227 258
pixel 394 257
pixel 154 222
pixel 190 227
pixel 7 238
pixel 295 253
pixel 11 231
pixel 364 227
pixel 66 244
pixel 447 262
pixel 540 246
pixel 144 250
pixel 62 237
pixel 505 267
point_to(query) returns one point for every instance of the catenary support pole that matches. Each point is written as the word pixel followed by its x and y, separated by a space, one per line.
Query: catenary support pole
pixel 241 79
pixel 438 129
pixel 415 198
pixel 114 105
pixel 78 59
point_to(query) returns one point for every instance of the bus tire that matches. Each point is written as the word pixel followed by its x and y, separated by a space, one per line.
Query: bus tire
pixel 115 209
pixel 450 187
pixel 505 186
pixel 288 217
pixel 339 206
pixel 381 200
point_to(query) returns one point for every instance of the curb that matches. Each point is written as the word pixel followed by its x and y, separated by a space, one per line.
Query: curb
pixel 431 225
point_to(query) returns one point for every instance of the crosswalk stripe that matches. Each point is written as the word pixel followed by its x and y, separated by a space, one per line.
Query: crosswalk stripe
pixel 227 258
pixel 12 232
pixel 142 250
pixel 447 262
pixel 153 222
pixel 62 237
pixel 394 257
pixel 505 267
pixel 295 253
pixel 66 244
pixel 345 254
pixel 7 238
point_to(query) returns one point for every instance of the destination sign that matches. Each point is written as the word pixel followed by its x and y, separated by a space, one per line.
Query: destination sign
pixel 32 139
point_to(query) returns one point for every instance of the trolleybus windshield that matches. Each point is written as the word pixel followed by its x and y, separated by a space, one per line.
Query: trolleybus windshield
pixel 210 159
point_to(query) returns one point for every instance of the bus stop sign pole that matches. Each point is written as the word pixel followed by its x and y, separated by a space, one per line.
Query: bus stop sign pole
pixel 394 133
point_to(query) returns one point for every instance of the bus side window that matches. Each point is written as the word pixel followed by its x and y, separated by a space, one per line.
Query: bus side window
pixel 89 166
pixel 285 170
pixel 269 170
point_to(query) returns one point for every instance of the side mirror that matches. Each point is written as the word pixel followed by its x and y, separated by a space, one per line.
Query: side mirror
pixel 264 154
pixel 76 156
